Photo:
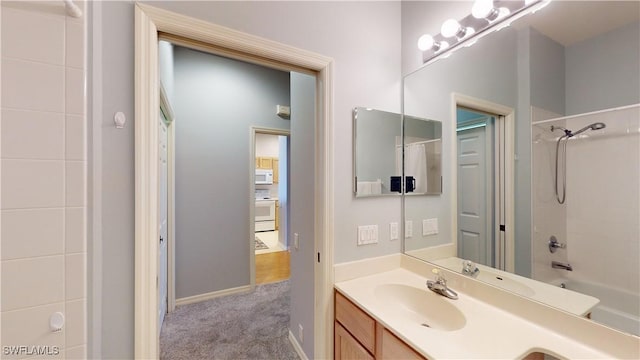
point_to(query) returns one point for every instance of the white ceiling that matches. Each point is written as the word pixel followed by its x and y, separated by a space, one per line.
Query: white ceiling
pixel 568 22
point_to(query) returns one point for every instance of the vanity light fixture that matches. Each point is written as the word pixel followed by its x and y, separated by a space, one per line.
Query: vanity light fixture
pixel 484 9
pixel 486 16
pixel 452 27
pixel 426 42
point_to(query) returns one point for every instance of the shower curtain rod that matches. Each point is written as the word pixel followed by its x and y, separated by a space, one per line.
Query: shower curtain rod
pixel 419 142
pixel 72 9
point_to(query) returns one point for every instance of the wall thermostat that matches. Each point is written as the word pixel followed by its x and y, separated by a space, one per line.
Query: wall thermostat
pixel 283 111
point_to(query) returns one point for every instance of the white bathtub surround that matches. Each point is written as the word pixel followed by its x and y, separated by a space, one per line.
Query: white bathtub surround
pixel 499 324
pixel 573 302
pixel 43 152
pixel 600 221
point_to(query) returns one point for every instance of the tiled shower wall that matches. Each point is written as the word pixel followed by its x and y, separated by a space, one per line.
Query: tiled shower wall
pixel 600 220
pixel 43 196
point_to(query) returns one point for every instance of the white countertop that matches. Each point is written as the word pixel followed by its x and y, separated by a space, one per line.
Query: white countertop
pixel 489 332
pixel 564 299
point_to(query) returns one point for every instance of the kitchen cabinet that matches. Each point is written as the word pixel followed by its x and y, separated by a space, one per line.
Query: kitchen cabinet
pixel 270 163
pixel 276 173
pixel 358 336
pixel 263 162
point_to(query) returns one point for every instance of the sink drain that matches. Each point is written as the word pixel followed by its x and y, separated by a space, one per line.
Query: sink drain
pixel 425 325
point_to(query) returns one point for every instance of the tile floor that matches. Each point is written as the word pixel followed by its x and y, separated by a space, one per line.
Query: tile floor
pixel 270 238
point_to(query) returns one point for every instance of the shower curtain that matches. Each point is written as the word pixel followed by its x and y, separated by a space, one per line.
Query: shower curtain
pixel 416 165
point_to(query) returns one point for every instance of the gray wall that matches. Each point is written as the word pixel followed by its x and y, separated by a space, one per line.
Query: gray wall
pixel 302 216
pixel 217 100
pixel 547 69
pixel 117 177
pixel 367 71
pixel 603 72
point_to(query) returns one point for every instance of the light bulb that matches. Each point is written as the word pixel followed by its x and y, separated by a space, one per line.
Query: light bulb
pixel 442 46
pixel 482 8
pixel 425 42
pixel 450 28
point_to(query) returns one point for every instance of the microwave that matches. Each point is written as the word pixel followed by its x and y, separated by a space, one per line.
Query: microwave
pixel 264 177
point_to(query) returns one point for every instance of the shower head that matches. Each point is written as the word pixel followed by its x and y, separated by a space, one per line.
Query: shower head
pixel 594 126
pixel 567 132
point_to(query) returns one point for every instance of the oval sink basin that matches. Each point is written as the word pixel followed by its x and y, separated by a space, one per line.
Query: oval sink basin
pixel 421 306
pixel 505 283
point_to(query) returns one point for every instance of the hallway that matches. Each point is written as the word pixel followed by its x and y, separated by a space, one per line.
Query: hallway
pixel 246 326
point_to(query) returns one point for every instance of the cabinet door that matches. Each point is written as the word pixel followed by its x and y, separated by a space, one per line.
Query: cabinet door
pixel 393 348
pixel 346 347
pixel 276 173
pixel 265 163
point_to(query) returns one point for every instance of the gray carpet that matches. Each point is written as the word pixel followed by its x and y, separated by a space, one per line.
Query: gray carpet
pixel 246 326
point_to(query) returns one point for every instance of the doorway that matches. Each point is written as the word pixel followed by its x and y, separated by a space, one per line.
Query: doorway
pixel 476 142
pixel 151 21
pixel 483 215
pixel 271 193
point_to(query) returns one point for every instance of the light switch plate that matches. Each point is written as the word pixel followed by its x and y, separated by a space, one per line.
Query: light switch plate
pixel 393 231
pixel 408 229
pixel 429 227
pixel 367 234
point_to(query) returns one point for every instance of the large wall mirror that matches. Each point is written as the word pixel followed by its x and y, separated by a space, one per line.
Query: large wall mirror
pixel 552 148
pixel 378 155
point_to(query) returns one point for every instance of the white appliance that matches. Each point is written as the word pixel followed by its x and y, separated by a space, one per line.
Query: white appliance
pixel 265 215
pixel 264 177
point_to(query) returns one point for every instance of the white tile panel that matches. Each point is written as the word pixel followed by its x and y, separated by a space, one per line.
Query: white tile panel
pixel 75 183
pixel 32 134
pixel 31 233
pixel 30 85
pixel 74 91
pixel 74 277
pixel 32 282
pixel 75 137
pixel 32 184
pixel 75 323
pixel 31 36
pixel 74 230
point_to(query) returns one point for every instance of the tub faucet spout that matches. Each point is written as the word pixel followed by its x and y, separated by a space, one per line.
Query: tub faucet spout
pixel 559 265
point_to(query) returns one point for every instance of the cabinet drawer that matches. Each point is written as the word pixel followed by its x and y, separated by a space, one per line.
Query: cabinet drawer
pixel 356 322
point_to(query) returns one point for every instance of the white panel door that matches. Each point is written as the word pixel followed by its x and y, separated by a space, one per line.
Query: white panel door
pixel 473 241
pixel 162 216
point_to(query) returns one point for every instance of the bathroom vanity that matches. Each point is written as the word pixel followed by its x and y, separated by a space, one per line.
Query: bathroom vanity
pixel 383 310
pixel 359 336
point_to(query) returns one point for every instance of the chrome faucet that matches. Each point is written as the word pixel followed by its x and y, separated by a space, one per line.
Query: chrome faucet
pixel 469 268
pixel 559 265
pixel 439 286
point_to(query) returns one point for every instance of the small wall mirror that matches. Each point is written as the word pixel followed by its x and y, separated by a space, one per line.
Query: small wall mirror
pixel 376 136
pixel 422 156
pixel 378 156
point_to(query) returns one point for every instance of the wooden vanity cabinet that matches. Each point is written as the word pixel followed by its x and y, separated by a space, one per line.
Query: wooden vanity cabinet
pixel 359 336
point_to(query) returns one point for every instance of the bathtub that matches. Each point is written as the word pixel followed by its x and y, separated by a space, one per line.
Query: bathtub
pixel 619 309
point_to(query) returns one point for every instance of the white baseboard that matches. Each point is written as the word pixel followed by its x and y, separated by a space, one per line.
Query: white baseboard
pixel 212 295
pixel 297 347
